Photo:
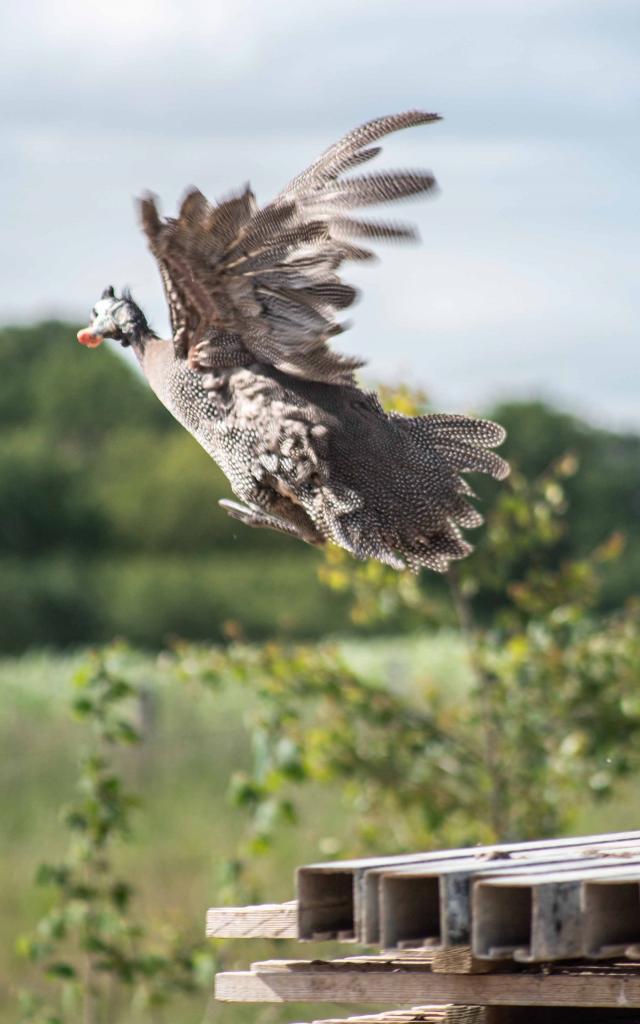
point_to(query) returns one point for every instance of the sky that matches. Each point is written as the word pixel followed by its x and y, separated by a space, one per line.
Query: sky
pixel 525 283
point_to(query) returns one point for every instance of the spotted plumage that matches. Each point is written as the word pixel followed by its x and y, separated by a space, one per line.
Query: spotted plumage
pixel 253 296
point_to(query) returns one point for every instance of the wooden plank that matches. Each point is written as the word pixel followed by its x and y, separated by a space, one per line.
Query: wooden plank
pixel 451 1014
pixel 443 1014
pixel 386 984
pixel 408 959
pixel 263 921
pixel 460 960
pixel 601 839
pixel 560 1015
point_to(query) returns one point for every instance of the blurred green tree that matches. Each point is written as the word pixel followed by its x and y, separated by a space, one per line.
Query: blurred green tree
pixel 603 495
pixel 96 476
pixel 108 515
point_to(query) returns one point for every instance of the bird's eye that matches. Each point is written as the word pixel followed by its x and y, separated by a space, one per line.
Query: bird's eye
pixel 93 312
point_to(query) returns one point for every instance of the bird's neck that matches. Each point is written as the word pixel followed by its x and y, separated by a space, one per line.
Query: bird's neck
pixel 140 338
pixel 136 330
pixel 156 357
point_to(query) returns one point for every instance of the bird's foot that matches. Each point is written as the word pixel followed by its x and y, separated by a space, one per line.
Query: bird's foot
pixel 257 518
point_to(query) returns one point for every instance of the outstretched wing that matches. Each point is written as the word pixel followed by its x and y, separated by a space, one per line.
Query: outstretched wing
pixel 270 275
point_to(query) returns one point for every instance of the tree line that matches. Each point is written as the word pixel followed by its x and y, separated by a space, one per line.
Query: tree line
pixel 109 523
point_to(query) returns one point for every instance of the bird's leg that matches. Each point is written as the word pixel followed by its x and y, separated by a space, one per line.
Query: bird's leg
pixel 256 517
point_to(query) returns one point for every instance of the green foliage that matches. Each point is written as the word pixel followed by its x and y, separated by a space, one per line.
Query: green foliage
pixel 318 721
pixel 173 507
pixel 545 719
pixel 98 484
pixel 44 502
pixel 89 945
pixel 603 495
pixel 74 601
pixel 47 601
pixel 215 595
pixel 49 381
pixel 552 716
pixel 551 713
pixel 108 525
pixel 94 472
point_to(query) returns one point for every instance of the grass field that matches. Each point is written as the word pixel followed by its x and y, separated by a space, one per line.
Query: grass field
pixel 185 827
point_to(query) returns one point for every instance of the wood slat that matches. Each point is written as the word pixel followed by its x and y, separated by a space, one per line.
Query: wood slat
pixel 602 838
pixel 262 921
pixel 443 1014
pixel 460 960
pixel 384 983
pixel 408 959
pixel 451 1014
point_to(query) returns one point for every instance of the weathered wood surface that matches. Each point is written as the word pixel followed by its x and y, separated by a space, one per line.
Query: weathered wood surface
pixel 593 912
pixel 451 1014
pixel 262 921
pixel 443 1014
pixel 596 841
pixel 346 896
pixel 407 959
pixel 386 982
pixel 460 960
pixel 435 900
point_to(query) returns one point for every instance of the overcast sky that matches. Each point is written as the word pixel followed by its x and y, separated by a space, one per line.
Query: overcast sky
pixel 526 281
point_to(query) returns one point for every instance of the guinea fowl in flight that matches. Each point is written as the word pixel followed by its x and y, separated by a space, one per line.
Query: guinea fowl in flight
pixel 252 295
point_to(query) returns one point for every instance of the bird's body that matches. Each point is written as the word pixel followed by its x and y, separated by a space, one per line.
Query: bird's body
pixel 250 376
pixel 309 457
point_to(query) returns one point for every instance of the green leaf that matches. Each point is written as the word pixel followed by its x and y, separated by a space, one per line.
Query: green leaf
pixel 61 969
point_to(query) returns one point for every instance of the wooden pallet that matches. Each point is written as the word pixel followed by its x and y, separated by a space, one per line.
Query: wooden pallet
pixel 578 895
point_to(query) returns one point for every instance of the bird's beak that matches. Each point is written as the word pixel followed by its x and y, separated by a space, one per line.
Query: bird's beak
pixel 88 338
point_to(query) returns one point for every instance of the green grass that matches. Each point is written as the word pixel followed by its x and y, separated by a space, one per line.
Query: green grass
pixel 195 740
pixel 186 828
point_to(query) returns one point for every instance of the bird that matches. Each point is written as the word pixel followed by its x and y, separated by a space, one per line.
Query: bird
pixel 253 296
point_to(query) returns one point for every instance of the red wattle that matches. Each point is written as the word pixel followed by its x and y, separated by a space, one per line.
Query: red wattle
pixel 85 337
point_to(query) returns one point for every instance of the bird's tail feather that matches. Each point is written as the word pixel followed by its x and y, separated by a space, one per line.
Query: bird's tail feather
pixel 413 506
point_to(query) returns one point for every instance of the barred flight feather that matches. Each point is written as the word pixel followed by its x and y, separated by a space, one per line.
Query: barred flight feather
pixel 372 189
pixel 324 167
pixel 387 230
pixel 267 224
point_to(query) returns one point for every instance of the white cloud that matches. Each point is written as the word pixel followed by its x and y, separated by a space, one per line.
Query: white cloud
pixel 527 274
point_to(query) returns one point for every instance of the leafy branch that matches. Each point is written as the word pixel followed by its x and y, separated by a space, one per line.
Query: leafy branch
pixel 90 947
pixel 547 721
